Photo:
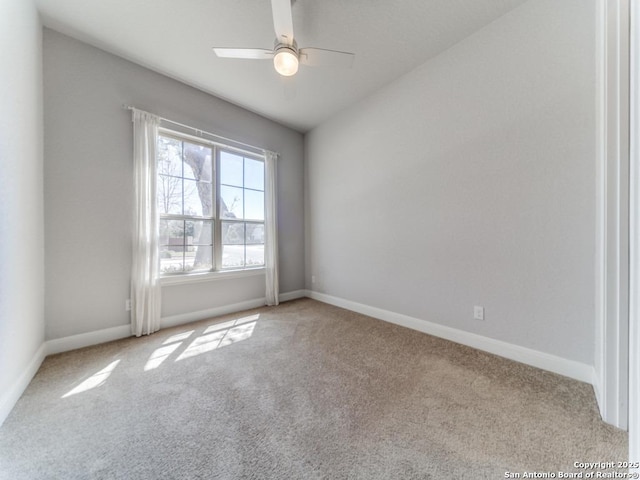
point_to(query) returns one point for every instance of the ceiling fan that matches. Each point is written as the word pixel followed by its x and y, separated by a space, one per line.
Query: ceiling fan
pixel 286 55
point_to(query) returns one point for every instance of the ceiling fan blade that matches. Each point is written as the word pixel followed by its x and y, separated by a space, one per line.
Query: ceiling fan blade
pixel 320 57
pixel 283 20
pixel 248 53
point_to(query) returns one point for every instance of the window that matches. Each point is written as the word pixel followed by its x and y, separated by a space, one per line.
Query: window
pixel 209 221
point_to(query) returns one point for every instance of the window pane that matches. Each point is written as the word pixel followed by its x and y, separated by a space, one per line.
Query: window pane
pixel 169 195
pixel 253 205
pixel 255 255
pixel 253 174
pixel 197 198
pixel 171 233
pixel 232 205
pixel 198 258
pixel 231 169
pixel 197 162
pixel 171 259
pixel 199 232
pixel 205 194
pixel 232 233
pixel 163 232
pixel 254 233
pixel 232 256
pixel 169 156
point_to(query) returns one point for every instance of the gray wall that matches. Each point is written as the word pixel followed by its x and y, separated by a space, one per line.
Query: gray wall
pixel 21 216
pixel 88 185
pixel 470 181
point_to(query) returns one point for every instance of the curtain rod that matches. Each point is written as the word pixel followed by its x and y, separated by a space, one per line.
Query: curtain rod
pixel 198 131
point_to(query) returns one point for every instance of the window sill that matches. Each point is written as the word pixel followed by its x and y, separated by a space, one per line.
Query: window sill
pixel 210 276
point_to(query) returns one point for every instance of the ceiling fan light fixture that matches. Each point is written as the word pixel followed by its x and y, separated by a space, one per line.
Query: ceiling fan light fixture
pixel 285 61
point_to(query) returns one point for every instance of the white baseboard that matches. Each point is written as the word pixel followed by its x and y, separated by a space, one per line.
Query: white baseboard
pixel 596 382
pixel 545 361
pixel 285 297
pixel 88 339
pixel 9 398
pixel 181 319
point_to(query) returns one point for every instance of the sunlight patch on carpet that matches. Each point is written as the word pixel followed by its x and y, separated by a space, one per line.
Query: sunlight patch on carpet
pixel 160 355
pixel 221 335
pixel 178 337
pixel 95 380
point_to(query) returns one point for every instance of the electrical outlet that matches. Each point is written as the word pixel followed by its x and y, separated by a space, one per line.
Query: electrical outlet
pixel 478 312
pixel 127 305
pixel 313 279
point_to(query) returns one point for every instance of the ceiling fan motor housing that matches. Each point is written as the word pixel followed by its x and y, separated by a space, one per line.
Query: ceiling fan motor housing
pixel 285 58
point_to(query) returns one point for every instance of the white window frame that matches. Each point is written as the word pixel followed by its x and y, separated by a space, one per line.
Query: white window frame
pixel 217 272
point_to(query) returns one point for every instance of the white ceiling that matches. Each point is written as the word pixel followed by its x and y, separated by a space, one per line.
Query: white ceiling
pixel 175 37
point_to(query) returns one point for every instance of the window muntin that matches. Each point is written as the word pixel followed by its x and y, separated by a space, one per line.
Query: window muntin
pixel 192 238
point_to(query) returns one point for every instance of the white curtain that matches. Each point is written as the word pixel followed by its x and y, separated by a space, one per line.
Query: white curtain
pixel 145 286
pixel 271 229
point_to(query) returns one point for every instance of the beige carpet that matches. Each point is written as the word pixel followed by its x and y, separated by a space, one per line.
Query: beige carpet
pixel 303 390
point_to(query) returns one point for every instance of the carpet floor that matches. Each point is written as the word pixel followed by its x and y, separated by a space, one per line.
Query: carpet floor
pixel 299 391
